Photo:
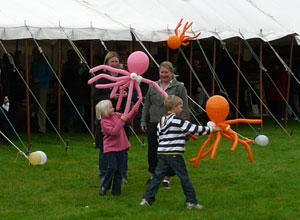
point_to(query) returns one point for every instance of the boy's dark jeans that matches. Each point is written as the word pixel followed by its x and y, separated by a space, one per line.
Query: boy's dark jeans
pixel 176 162
pixel 114 171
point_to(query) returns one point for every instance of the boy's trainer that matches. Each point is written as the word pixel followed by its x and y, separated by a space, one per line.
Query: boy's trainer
pixel 166 183
pixel 190 205
pixel 144 202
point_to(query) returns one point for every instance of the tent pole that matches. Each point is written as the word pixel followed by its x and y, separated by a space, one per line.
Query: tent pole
pixel 261 83
pixel 131 46
pixel 289 80
pixel 191 62
pixel 27 93
pixel 59 87
pixel 17 45
pixel 65 91
pixel 92 88
pixel 238 81
pixel 190 81
pixel 168 53
pixel 214 66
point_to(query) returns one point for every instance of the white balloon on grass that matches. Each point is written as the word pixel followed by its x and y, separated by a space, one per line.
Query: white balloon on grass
pixel 43 157
pixel 262 140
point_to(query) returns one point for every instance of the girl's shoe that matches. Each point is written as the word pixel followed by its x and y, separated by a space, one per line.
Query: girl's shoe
pixel 102 191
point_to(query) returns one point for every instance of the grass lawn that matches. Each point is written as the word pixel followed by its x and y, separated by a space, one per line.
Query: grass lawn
pixel 229 187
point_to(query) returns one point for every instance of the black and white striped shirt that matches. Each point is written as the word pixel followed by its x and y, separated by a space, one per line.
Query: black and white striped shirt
pixel 173 132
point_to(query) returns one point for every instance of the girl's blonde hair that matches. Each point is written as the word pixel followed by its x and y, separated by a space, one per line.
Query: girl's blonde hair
pixel 172 101
pixel 110 55
pixel 102 109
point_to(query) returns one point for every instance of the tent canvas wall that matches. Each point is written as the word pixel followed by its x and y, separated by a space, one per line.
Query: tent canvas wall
pixel 150 20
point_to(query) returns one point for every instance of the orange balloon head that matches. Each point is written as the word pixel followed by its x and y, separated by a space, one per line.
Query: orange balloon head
pixel 217 108
pixel 174 42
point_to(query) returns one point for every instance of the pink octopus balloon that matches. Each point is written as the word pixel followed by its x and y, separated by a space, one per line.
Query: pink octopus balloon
pixel 138 63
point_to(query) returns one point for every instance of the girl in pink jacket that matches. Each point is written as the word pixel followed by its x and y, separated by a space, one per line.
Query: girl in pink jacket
pixel 115 145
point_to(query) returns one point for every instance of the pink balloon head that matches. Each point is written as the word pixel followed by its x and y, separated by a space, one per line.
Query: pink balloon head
pixel 138 62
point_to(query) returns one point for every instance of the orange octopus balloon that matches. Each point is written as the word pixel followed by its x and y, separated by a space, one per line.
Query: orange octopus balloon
pixel 174 42
pixel 217 109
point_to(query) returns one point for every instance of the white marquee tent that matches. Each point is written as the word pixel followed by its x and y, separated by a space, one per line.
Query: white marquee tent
pixel 150 20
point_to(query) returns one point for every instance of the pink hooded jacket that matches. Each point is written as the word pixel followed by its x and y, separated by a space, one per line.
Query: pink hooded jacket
pixel 115 139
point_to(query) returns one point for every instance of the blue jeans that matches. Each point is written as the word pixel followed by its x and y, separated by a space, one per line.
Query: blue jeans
pixel 113 176
pixel 125 165
pixel 103 164
pixel 176 162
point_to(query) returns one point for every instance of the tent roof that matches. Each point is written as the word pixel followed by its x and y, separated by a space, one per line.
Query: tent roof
pixel 153 20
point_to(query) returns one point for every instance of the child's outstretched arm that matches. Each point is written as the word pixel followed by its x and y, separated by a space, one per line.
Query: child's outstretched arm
pixel 188 127
pixel 131 116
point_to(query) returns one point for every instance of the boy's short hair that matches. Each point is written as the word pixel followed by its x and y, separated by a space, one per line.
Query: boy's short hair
pixel 102 109
pixel 172 101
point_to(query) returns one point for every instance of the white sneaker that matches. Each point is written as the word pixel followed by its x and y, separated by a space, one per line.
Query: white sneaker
pixel 166 183
pixel 124 180
pixel 144 202
pixel 198 206
pixel 190 205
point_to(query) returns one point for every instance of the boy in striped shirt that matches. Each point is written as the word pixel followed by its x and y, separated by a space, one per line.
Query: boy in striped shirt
pixel 173 132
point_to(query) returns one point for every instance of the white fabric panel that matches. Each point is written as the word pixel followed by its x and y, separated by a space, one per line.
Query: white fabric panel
pixel 153 20
pixel 52 16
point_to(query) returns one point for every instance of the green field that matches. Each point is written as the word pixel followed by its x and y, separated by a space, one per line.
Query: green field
pixel 229 187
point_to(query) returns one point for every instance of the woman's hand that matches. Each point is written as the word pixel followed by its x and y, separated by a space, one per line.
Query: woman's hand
pixel 116 96
pixel 144 128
